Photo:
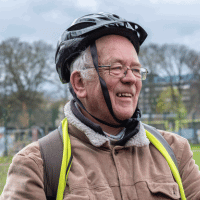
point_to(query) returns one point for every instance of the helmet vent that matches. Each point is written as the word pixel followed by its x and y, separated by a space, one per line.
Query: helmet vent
pixel 136 27
pixel 86 20
pixel 116 16
pixel 104 18
pixel 81 26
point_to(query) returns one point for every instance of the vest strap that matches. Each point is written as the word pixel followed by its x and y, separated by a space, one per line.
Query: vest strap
pixel 169 160
pixel 66 160
pixel 162 140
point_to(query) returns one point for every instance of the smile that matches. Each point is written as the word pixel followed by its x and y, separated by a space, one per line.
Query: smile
pixel 124 95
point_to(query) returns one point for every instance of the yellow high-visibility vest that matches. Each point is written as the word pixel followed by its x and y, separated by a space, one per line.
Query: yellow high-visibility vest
pixel 157 140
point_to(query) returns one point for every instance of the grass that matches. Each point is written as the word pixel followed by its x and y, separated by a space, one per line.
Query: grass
pixel 5 162
pixel 196 153
pixel 4 165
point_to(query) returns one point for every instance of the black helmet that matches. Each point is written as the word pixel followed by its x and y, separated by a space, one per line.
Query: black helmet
pixel 86 30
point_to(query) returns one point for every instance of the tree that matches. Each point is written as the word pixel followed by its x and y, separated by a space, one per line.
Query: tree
pixel 149 58
pixel 193 62
pixel 173 64
pixel 166 103
pixel 168 66
pixel 24 69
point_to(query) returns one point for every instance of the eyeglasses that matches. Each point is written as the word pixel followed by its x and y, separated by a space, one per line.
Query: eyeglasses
pixel 119 71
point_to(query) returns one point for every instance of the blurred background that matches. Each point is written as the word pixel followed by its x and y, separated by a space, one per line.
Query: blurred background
pixel 32 97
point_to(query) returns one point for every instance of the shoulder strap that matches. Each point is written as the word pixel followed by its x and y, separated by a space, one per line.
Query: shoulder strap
pixel 161 144
pixel 66 160
pixel 51 148
pixel 162 140
pixel 56 153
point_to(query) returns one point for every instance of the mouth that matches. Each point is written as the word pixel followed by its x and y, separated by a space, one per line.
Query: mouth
pixel 125 94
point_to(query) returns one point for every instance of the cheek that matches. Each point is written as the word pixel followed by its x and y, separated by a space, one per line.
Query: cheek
pixel 111 88
pixel 111 82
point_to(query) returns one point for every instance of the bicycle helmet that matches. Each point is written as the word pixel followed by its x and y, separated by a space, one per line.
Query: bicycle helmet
pixel 86 30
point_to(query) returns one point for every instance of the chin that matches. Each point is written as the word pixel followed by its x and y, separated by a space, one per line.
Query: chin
pixel 124 113
pixel 124 116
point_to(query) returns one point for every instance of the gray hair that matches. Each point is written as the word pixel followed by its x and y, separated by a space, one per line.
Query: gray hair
pixel 81 63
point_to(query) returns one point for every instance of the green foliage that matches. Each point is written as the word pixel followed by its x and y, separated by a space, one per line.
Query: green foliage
pixel 6 159
pixel 170 101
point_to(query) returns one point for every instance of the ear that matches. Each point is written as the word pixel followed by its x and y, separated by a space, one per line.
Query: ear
pixel 78 84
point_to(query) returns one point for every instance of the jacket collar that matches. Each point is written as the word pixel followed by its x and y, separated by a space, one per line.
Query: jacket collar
pixel 139 140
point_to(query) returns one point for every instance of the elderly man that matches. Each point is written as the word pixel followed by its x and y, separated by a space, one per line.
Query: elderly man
pixel 112 155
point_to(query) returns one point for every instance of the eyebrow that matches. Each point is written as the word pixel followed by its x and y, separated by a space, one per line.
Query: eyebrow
pixel 116 60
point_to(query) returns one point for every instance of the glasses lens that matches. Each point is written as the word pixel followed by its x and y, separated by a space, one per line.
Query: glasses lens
pixel 143 74
pixel 119 71
pixel 140 73
pixel 116 70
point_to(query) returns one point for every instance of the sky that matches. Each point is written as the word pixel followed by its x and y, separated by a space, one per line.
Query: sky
pixel 166 21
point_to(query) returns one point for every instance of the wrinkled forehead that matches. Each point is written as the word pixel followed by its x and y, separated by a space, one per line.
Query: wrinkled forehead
pixel 115 47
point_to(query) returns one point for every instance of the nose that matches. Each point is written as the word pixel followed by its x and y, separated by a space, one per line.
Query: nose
pixel 128 77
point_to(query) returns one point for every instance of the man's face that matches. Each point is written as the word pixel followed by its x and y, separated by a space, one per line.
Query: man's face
pixel 124 92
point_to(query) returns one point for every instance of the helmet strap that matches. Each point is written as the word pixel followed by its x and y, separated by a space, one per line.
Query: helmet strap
pixel 93 50
pixel 104 88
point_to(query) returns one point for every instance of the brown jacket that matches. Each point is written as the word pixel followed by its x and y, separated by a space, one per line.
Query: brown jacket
pixel 100 171
pixel 107 172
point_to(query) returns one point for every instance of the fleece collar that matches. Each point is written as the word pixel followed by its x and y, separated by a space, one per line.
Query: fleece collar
pixel 139 140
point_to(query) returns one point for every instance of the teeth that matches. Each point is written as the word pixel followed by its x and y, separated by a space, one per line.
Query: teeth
pixel 124 95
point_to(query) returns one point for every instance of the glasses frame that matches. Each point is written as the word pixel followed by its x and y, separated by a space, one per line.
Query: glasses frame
pixel 143 77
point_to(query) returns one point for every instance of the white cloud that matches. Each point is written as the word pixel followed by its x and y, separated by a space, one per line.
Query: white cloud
pixel 183 2
pixel 56 16
pixel 26 18
pixel 192 40
pixel 1 38
pixel 12 5
pixel 29 38
pixel 52 15
pixel 3 27
pixel 11 10
pixel 87 5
